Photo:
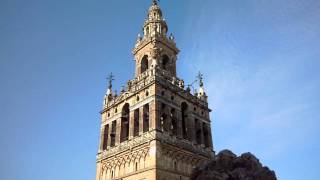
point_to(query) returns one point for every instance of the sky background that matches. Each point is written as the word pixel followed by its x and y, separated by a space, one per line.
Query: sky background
pixel 260 59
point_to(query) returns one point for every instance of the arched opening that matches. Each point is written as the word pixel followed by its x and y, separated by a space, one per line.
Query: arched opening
pixel 165 62
pixel 173 121
pixel 147 31
pixel 205 134
pixel 175 167
pixel 163 119
pixel 144 64
pixel 136 167
pixel 124 123
pixel 113 133
pixel 105 137
pixel 136 123
pixel 198 131
pixel 146 118
pixel 184 108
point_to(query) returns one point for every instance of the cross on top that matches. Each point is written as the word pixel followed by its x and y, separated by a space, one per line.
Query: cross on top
pixel 110 79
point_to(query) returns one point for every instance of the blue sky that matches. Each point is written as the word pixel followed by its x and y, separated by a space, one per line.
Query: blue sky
pixel 260 59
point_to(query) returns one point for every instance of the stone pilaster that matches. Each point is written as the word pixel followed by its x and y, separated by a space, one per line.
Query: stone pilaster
pixel 210 137
pixel 168 120
pixel 118 131
pixel 152 115
pixel 101 139
pixel 201 134
pixel 191 129
pixel 109 135
pixel 179 123
pixel 131 124
pixel 141 120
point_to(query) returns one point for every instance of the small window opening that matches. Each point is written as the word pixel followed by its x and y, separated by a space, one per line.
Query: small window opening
pixel 175 165
pixel 136 166
pixel 162 93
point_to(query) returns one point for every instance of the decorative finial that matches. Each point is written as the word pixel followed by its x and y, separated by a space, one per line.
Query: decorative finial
pixel 171 37
pixel 155 2
pixel 110 79
pixel 200 78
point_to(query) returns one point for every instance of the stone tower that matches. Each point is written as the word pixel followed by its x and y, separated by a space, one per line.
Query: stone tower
pixel 155 128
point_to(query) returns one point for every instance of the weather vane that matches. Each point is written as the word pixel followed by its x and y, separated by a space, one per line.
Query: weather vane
pixel 200 78
pixel 110 79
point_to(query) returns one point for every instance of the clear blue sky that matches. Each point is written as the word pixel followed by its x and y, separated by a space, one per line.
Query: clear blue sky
pixel 260 59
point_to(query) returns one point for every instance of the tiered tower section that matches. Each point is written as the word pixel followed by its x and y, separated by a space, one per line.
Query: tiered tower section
pixel 155 128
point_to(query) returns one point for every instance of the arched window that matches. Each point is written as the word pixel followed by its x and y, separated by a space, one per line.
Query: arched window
pixel 165 62
pixel 175 167
pixel 198 131
pixel 163 119
pixel 136 123
pixel 184 108
pixel 144 64
pixel 173 121
pixel 124 123
pixel 105 137
pixel 136 166
pixel 205 134
pixel 146 118
pixel 113 134
pixel 147 31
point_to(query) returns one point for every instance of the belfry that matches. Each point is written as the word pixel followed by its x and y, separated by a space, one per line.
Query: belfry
pixel 155 128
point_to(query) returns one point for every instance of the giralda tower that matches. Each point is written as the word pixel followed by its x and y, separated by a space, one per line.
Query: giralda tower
pixel 156 128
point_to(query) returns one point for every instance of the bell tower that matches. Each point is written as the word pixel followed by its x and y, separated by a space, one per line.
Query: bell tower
pixel 155 48
pixel 155 128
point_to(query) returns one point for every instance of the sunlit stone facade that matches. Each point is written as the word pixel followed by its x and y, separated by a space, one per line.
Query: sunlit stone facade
pixel 155 128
